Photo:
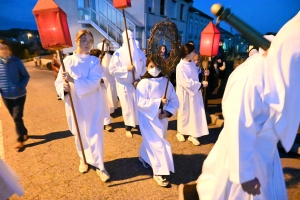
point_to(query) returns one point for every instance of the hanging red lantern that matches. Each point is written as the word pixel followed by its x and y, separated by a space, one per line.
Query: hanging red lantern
pixel 122 3
pixel 52 24
pixel 210 38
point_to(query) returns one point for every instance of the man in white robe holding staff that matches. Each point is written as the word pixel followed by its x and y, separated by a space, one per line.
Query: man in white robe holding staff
pixel 260 108
pixel 121 68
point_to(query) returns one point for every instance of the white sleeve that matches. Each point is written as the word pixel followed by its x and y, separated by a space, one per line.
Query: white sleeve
pixel 191 86
pixel 146 105
pixel 115 67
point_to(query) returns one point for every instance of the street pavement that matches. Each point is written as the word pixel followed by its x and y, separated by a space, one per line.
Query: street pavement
pixel 48 164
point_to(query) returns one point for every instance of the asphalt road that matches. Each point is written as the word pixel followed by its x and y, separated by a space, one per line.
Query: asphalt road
pixel 48 165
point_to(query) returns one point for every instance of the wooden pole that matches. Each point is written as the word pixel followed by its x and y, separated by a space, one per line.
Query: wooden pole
pixel 72 106
pixel 102 50
pixel 205 79
pixel 130 56
pixel 165 95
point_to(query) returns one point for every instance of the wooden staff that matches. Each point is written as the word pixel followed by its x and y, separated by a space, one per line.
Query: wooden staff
pixel 130 56
pixel 205 60
pixel 102 50
pixel 72 106
pixel 165 95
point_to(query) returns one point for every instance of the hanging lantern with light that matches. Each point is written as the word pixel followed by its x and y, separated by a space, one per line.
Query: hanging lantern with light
pixel 209 46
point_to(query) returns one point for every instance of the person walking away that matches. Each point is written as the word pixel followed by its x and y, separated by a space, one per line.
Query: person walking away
pixel 13 81
pixel 155 150
pixel 191 119
pixel 83 74
pixel 121 68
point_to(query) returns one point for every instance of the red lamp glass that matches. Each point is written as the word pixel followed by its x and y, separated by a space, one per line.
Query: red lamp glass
pixel 122 3
pixel 210 38
pixel 52 24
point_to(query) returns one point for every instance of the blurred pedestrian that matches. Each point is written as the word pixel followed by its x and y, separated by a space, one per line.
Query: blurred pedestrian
pixel 221 66
pixel 191 119
pixel 13 81
pixel 83 74
pixel 155 150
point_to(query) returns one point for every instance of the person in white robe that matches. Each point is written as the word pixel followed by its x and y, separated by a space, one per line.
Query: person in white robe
pixel 191 119
pixel 104 84
pixel 83 74
pixel 155 150
pixel 9 182
pixel 121 68
pixel 112 97
pixel 260 108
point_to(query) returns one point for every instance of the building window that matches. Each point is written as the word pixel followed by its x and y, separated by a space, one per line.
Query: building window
pixel 173 9
pixel 162 7
pixel 190 28
pixel 181 11
pixel 149 5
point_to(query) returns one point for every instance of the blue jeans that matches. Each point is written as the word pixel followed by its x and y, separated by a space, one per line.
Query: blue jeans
pixel 15 108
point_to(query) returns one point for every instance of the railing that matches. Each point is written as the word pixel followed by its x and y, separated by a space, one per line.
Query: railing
pixel 107 18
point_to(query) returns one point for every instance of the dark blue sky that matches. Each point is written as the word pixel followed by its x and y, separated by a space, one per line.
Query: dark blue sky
pixel 263 15
pixel 17 14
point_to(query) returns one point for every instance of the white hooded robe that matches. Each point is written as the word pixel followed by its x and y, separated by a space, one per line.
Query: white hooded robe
pixel 124 79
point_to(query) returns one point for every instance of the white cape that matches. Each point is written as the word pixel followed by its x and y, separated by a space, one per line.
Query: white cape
pixel 155 149
pixel 191 118
pixel 88 104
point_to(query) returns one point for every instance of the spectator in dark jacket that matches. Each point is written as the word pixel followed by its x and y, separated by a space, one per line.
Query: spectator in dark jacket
pixel 13 81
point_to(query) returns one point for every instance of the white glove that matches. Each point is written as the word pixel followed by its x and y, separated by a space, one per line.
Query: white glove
pixel 204 83
pixel 66 87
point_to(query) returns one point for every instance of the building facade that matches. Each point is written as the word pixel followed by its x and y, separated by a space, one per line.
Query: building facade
pixel 104 21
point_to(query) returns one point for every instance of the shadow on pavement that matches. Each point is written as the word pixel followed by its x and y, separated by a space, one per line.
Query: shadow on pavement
pixel 117 113
pixel 47 138
pixel 212 137
pixel 292 177
pixel 187 168
pixel 127 168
